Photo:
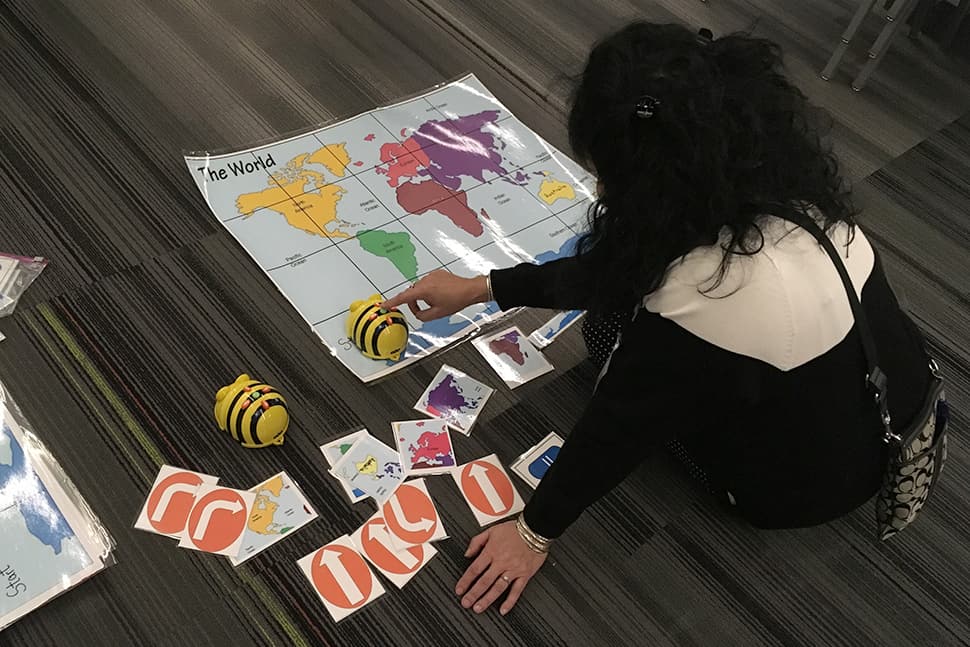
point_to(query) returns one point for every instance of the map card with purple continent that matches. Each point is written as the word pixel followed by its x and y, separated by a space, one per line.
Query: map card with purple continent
pixel 447 179
pixel 455 398
pixel 513 356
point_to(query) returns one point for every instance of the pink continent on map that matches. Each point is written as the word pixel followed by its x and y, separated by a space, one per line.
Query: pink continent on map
pixel 433 449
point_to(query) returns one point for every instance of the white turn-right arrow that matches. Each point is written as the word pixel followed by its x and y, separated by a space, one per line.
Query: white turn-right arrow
pixel 373 532
pixel 206 516
pixel 480 473
pixel 407 525
pixel 330 559
pixel 175 488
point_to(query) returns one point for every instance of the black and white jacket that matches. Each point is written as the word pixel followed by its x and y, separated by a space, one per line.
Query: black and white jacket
pixel 762 378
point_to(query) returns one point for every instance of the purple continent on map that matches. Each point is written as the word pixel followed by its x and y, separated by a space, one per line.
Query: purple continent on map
pixel 447 397
pixel 460 146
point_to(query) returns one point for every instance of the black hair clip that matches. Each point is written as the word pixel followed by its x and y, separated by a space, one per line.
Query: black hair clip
pixel 647 106
pixel 704 36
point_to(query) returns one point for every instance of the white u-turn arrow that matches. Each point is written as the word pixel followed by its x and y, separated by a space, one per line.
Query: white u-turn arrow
pixel 480 474
pixel 407 525
pixel 330 559
pixel 379 534
pixel 175 488
pixel 206 516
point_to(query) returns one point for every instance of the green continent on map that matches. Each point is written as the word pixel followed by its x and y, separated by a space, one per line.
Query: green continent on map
pixel 395 247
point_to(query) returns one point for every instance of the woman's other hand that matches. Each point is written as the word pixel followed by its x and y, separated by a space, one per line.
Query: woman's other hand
pixel 444 292
pixel 504 564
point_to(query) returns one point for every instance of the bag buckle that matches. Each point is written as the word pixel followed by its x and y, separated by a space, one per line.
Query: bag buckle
pixel 877 382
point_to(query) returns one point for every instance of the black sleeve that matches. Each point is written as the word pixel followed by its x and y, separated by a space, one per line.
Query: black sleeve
pixel 638 405
pixel 562 284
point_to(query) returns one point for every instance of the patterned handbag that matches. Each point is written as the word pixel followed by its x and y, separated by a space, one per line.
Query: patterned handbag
pixel 918 451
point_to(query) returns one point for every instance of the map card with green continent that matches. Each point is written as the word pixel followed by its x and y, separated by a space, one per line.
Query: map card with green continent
pixel 448 179
pixel 280 509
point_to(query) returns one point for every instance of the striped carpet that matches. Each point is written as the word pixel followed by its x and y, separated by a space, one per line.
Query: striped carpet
pixel 148 307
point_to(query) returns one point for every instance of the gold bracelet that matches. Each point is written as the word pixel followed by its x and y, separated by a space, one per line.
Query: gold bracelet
pixel 536 542
pixel 488 286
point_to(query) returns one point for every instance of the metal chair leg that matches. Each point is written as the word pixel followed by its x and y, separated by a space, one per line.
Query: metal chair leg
pixel 864 8
pixel 897 17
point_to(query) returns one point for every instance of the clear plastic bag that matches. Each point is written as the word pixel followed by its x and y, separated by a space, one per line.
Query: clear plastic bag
pixel 51 539
pixel 16 275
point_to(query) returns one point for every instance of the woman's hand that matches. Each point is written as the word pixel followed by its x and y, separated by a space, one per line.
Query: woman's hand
pixel 444 292
pixel 504 564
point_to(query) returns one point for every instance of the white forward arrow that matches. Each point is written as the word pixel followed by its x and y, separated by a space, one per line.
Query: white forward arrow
pixel 480 473
pixel 379 534
pixel 330 559
pixel 206 516
pixel 407 525
pixel 175 488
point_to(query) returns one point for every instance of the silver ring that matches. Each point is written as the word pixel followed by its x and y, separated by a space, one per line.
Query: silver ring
pixel 505 578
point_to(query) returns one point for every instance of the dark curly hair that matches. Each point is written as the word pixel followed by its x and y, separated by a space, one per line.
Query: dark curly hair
pixel 730 141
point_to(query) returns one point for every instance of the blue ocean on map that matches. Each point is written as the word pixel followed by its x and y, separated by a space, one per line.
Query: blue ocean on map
pixel 21 487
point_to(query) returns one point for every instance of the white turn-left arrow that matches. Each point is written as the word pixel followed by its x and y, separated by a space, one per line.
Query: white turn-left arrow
pixel 206 516
pixel 480 473
pixel 373 532
pixel 423 525
pixel 175 488
pixel 330 559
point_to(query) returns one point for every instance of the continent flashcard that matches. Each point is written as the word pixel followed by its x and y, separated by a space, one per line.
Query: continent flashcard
pixel 513 356
pixel 444 179
pixel 454 397
pixel 332 452
pixel 424 446
pixel 341 577
pixel 372 467
pixel 280 508
pixel 169 501
pixel 488 490
pixel 374 542
pixel 218 520
pixel 549 331
pixel 533 464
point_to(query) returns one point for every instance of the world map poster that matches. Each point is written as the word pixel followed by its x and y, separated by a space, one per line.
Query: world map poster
pixel 449 179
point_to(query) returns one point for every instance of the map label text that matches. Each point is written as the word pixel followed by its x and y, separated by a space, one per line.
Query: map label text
pixel 237 168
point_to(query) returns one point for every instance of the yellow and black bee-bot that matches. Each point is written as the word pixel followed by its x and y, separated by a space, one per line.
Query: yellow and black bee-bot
pixel 253 413
pixel 378 333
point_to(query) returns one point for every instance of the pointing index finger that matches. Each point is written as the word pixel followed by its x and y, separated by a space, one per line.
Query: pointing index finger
pixel 402 297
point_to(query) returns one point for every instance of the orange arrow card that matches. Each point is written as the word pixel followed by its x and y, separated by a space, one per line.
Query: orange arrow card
pixel 169 501
pixel 411 517
pixel 374 542
pixel 217 522
pixel 488 489
pixel 341 577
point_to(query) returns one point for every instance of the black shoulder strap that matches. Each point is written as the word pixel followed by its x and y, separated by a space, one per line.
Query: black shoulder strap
pixel 876 380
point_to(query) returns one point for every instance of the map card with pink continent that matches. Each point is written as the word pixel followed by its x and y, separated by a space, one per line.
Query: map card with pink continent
pixel 449 179
pixel 425 447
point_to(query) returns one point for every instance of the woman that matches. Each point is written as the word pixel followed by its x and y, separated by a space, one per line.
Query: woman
pixel 738 340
